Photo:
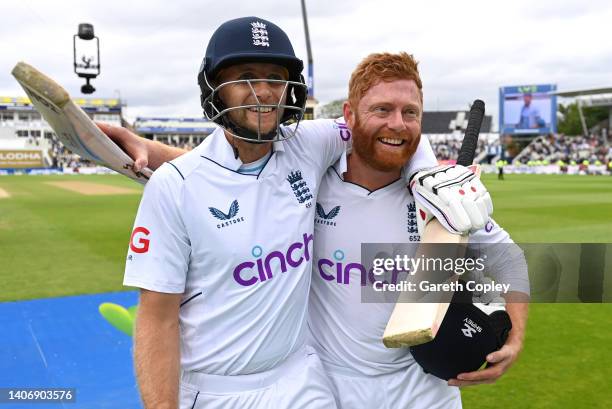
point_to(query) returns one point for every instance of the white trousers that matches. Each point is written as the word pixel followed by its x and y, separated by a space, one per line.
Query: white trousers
pixel 408 388
pixel 298 383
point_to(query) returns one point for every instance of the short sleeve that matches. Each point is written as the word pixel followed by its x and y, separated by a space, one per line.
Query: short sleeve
pixel 159 249
pixel 505 260
pixel 324 140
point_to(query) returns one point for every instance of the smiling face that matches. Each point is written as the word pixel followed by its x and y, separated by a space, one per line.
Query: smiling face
pixel 241 93
pixel 386 124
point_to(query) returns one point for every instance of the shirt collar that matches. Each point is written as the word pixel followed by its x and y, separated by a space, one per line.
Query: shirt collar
pixel 219 150
pixel 341 165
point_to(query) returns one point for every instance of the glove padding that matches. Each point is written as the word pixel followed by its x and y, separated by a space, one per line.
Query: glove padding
pixel 492 298
pixel 452 194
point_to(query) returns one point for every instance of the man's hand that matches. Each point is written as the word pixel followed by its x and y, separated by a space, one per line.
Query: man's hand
pixel 143 151
pixel 454 195
pixel 132 144
pixel 499 362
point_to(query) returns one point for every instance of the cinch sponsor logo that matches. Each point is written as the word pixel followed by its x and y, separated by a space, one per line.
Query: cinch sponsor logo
pixel 138 244
pixel 260 270
pixel 345 133
pixel 325 218
pixel 336 270
pixel 229 218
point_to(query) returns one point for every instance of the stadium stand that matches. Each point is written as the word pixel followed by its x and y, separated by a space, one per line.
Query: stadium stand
pixel 444 122
pixel 24 134
pixel 445 130
pixel 551 148
pixel 185 133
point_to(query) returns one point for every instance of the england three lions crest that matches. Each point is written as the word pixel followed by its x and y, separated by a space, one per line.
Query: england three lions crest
pixel 412 223
pixel 260 34
pixel 300 188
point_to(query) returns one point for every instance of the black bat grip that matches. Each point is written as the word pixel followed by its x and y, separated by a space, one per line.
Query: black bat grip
pixel 470 140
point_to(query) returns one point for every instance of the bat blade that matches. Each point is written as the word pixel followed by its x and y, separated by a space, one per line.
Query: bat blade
pixel 72 125
pixel 414 323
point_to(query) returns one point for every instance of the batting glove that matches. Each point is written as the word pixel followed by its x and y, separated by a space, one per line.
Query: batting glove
pixel 454 195
pixel 483 297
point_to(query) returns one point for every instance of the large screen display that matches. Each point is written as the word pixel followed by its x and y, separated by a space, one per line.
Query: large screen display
pixel 528 109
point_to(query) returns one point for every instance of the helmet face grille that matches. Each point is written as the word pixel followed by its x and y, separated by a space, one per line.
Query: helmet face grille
pixel 290 107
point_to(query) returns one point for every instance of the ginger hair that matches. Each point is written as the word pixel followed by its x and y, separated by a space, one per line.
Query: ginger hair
pixel 382 67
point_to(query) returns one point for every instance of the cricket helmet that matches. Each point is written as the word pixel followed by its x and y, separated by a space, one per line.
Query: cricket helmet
pixel 244 40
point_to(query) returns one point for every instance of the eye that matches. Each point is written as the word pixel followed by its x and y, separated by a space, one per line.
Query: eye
pixel 411 113
pixel 276 77
pixel 246 76
pixel 380 109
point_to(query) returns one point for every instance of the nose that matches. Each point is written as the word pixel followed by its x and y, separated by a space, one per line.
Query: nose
pixel 395 121
pixel 263 91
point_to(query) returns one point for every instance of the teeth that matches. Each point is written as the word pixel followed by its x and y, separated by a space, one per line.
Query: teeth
pixel 392 141
pixel 261 109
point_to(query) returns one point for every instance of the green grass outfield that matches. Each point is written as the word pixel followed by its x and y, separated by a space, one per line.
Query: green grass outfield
pixel 54 242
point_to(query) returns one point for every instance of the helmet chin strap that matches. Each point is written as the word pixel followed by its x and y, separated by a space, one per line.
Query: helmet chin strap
pixel 252 136
pixel 248 135
pixel 235 148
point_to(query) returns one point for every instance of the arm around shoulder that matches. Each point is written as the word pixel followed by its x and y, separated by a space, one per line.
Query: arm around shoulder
pixel 323 139
pixel 144 152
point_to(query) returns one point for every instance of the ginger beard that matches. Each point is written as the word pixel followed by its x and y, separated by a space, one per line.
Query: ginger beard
pixel 379 155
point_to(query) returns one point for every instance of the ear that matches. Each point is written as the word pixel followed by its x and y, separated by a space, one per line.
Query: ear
pixel 349 115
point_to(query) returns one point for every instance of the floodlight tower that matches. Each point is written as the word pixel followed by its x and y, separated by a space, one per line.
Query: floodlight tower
pixel 311 102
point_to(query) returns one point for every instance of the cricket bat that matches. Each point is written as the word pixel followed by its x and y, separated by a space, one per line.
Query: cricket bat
pixel 416 323
pixel 72 125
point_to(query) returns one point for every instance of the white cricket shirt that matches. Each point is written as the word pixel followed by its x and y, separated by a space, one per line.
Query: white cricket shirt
pixel 238 246
pixel 347 333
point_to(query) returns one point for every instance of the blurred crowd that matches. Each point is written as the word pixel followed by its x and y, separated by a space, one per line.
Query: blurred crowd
pixel 546 149
pixel 62 158
pixel 449 149
pixel 593 149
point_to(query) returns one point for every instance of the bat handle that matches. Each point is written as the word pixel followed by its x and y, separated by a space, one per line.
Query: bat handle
pixel 470 140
